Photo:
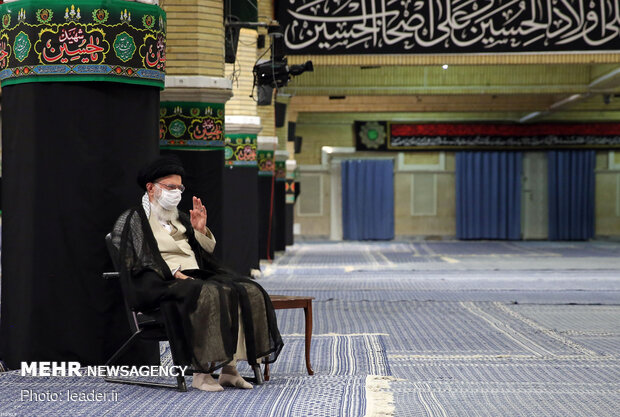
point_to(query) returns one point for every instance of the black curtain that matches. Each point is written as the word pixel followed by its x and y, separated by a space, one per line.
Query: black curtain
pixel 265 248
pixel 279 216
pixel 289 220
pixel 240 220
pixel 71 152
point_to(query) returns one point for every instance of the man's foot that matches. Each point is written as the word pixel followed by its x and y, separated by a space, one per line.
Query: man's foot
pixel 255 273
pixel 206 382
pixel 230 377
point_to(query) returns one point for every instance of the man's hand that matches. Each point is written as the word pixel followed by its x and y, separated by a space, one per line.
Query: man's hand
pixel 198 216
pixel 181 275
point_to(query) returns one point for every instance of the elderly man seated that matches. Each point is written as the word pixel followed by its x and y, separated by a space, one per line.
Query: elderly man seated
pixel 167 255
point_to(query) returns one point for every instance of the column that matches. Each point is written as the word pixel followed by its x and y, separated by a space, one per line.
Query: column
pixel 266 186
pixel 290 196
pixel 279 203
pixel 80 102
pixel 286 145
pixel 241 172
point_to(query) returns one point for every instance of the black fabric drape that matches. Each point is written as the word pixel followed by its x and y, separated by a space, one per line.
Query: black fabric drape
pixel 279 216
pixel 71 152
pixel 240 219
pixel 288 223
pixel 265 250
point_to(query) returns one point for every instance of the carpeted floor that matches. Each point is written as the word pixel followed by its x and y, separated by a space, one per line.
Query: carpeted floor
pixel 414 329
pixel 472 328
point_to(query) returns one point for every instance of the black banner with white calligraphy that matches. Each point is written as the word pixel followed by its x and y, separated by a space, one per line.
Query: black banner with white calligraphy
pixel 387 136
pixel 337 27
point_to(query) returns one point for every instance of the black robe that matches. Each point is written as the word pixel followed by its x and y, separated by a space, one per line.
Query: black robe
pixel 203 312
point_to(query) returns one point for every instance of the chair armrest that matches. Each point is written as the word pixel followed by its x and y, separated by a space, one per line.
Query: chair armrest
pixel 110 275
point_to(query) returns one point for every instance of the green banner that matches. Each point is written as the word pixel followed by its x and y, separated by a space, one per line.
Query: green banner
pixel 265 162
pixel 85 40
pixel 191 125
pixel 240 150
pixel 280 170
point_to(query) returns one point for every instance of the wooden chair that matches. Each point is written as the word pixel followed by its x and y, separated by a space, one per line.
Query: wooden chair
pixel 292 301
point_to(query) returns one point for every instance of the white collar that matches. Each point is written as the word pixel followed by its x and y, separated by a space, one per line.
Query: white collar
pixel 146 205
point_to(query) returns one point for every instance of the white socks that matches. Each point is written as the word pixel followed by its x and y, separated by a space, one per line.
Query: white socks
pixel 206 382
pixel 230 377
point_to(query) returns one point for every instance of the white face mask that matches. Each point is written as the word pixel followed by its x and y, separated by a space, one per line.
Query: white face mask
pixel 169 199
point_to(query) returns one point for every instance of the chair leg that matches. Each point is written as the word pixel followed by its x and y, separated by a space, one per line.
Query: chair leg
pixel 308 339
pixel 181 385
pixel 123 348
pixel 258 375
pixel 267 375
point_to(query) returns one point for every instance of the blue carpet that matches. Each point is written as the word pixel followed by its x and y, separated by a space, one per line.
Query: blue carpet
pixel 498 399
pixel 444 328
pixel 284 396
pixel 474 328
pixel 341 363
pixel 448 328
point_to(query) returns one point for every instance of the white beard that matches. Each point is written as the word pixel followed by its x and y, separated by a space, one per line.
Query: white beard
pixel 163 214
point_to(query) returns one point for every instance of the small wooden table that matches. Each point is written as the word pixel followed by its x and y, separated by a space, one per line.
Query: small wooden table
pixel 292 301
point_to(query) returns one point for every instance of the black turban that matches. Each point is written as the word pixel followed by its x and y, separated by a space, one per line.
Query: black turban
pixel 161 167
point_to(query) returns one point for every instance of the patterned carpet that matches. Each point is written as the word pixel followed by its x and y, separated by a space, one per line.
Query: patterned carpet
pixel 413 329
pixel 472 328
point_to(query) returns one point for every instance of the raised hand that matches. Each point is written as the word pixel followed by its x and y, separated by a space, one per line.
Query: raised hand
pixel 198 216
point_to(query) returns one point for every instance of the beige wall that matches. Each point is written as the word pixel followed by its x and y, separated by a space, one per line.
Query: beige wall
pixel 282 131
pixel 315 136
pixel 607 202
pixel 241 104
pixel 315 225
pixel 442 223
pixel 195 40
pixel 266 113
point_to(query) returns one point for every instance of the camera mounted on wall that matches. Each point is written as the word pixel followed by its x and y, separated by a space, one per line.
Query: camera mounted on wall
pixel 275 72
pixel 269 74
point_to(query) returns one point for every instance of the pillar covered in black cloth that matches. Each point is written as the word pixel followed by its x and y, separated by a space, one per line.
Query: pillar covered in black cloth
pixel 266 188
pixel 289 213
pixel 71 153
pixel 240 219
pixel 288 223
pixel 265 220
pixel 279 217
pixel 80 104
pixel 279 202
